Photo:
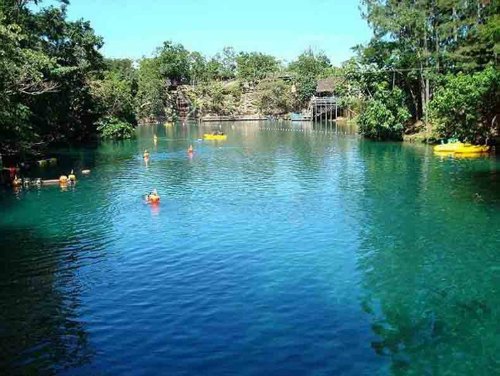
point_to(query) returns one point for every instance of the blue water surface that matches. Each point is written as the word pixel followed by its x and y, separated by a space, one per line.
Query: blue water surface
pixel 289 249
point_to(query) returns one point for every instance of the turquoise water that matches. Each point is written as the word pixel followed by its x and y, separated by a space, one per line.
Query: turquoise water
pixel 286 250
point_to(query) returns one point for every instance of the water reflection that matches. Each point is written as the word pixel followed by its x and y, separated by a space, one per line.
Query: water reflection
pixel 430 288
pixel 256 260
pixel 39 327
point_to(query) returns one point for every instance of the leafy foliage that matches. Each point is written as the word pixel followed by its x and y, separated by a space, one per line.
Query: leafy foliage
pixel 173 62
pixel 385 115
pixel 219 98
pixel 255 66
pixel 308 67
pixel 465 106
pixel 416 44
pixel 198 70
pixel 226 64
pixel 112 128
pixel 115 96
pixel 275 97
pixel 46 63
pixel 152 90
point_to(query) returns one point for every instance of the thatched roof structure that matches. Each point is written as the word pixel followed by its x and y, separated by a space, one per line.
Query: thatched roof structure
pixel 326 86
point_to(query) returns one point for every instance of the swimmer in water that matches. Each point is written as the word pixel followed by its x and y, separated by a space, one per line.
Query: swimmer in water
pixel 153 196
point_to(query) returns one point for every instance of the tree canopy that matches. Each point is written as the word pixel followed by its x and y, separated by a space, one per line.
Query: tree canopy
pixel 46 63
pixel 308 67
pixel 432 62
pixel 417 44
pixel 255 66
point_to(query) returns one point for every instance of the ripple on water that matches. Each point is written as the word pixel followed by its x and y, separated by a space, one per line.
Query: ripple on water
pixel 281 251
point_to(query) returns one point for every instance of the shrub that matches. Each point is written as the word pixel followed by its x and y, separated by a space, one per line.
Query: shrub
pixel 255 66
pixel 275 97
pixel 465 105
pixel 112 128
pixel 218 98
pixel 385 115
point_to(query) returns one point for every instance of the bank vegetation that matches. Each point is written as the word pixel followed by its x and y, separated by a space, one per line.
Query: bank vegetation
pixel 431 68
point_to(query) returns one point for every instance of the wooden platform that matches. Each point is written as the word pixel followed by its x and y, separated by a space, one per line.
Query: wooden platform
pixel 324 108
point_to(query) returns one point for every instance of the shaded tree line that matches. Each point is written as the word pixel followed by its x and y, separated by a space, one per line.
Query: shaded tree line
pixel 46 63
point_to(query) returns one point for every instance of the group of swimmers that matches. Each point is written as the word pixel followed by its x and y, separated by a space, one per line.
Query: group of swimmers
pixel 153 197
pixel 63 181
pixel 146 154
pixel 67 180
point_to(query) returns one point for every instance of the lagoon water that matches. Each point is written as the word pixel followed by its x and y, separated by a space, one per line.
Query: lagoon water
pixel 289 249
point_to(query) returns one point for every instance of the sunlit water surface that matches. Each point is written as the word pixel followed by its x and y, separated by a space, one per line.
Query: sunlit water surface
pixel 286 250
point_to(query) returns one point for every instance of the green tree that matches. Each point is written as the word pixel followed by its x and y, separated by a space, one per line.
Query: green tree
pixel 415 41
pixel 112 128
pixel 255 66
pixel 385 115
pixel 308 67
pixel 310 63
pixel 214 69
pixel 115 96
pixel 46 63
pixel 218 98
pixel 275 97
pixel 173 62
pixel 466 105
pixel 152 90
pixel 124 68
pixel 198 68
pixel 225 63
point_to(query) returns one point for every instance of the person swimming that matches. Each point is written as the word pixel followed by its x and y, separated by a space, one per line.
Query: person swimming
pixel 146 154
pixel 63 180
pixel 72 176
pixel 153 196
pixel 17 182
pixel 190 149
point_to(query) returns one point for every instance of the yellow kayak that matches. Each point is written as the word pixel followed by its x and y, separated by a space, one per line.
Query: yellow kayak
pixel 460 147
pixel 209 136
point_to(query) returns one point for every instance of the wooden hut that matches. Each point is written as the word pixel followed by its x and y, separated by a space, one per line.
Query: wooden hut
pixel 325 87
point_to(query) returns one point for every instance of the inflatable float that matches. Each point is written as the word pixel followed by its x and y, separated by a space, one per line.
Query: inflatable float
pixel 218 137
pixel 461 148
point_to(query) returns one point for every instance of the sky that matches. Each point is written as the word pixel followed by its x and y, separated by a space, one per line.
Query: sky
pixel 283 28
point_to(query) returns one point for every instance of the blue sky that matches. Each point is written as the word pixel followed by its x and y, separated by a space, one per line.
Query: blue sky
pixel 283 28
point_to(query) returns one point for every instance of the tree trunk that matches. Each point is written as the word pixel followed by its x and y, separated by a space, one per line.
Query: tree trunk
pixel 422 93
pixel 425 80
pixel 414 98
pixel 455 29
